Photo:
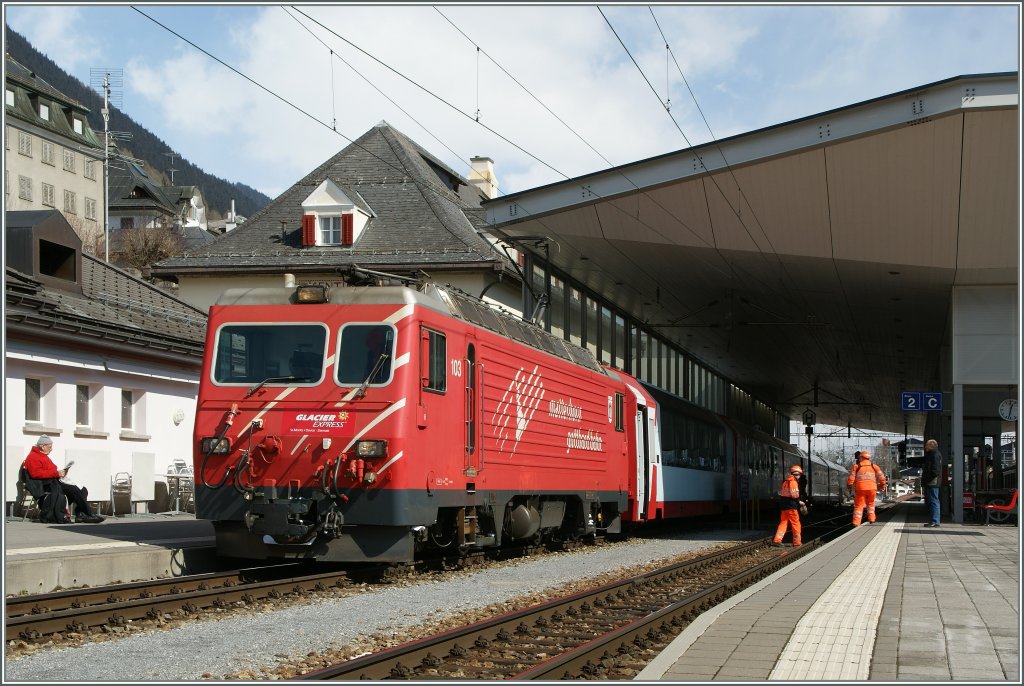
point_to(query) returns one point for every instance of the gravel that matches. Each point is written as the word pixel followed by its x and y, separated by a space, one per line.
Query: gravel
pixel 253 643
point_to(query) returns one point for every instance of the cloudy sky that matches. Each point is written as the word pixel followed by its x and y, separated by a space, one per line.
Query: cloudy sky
pixel 548 92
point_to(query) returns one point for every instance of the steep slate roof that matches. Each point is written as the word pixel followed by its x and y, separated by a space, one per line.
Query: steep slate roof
pixel 125 179
pixel 114 306
pixel 24 82
pixel 417 220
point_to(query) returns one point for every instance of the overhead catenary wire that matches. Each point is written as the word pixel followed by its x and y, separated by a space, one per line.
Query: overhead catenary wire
pixel 818 342
pixel 647 225
pixel 309 115
pixel 700 238
pixel 371 84
pixel 393 70
pixel 430 93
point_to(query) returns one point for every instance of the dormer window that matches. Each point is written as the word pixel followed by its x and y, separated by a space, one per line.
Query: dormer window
pixel 330 218
pixel 44 111
pixel 77 125
pixel 10 98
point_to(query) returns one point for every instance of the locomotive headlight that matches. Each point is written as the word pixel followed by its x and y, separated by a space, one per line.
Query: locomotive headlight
pixel 371 448
pixel 311 294
pixel 215 446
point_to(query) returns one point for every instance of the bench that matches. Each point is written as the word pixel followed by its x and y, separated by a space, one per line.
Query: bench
pixel 996 511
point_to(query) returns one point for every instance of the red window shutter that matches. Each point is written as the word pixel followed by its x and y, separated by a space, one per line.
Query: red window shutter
pixel 346 229
pixel 308 229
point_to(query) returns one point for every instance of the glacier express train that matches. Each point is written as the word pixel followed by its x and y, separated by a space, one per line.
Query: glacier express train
pixel 376 423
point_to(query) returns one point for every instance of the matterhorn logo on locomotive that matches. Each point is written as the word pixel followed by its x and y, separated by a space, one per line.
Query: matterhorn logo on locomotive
pixel 333 423
pixel 524 394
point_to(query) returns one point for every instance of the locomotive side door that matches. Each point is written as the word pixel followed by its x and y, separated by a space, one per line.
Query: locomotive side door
pixel 473 374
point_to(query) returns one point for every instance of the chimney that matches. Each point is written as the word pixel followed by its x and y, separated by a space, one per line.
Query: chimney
pixel 230 223
pixel 481 175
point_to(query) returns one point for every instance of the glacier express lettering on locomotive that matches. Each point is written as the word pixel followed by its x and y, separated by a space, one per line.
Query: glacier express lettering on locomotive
pixel 560 409
pixel 322 423
pixel 581 440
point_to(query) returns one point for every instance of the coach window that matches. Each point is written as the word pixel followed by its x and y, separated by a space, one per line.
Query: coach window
pixel 620 424
pixel 433 361
pixel 365 354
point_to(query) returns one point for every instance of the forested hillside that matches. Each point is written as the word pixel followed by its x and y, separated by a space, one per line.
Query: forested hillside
pixel 144 145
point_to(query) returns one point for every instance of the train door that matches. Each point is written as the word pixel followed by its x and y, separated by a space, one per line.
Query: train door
pixel 433 377
pixel 643 462
pixel 647 460
pixel 473 415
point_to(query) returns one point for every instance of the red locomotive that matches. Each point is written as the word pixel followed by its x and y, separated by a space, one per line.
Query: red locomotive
pixel 368 424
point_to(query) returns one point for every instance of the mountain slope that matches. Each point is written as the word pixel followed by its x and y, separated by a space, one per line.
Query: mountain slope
pixel 144 145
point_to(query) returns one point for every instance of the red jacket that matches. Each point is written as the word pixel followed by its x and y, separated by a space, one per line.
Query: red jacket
pixel 40 466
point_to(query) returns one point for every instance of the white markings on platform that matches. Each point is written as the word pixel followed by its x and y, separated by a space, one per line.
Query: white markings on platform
pixel 105 545
pixel 836 637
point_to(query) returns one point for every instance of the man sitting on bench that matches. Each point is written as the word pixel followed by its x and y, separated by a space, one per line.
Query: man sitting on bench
pixel 40 467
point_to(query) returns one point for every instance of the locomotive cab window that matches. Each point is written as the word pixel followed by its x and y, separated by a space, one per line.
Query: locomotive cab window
pixel 277 354
pixel 365 354
pixel 433 361
pixel 620 424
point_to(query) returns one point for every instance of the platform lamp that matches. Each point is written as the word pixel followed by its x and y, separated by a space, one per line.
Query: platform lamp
pixel 809 419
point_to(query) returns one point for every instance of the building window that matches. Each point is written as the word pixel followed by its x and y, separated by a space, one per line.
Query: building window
pixel 44 111
pixel 90 208
pixel 10 98
pixel 25 188
pixel 47 195
pixel 47 155
pixel 69 160
pixel 127 223
pixel 77 126
pixel 70 202
pixel 127 409
pixel 90 170
pixel 82 398
pixel 33 400
pixel 330 230
pixel 24 144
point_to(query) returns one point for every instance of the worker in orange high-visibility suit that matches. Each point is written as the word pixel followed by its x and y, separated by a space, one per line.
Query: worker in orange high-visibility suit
pixel 789 507
pixel 865 479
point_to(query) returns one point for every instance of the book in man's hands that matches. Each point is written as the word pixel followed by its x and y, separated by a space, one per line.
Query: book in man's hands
pixel 68 466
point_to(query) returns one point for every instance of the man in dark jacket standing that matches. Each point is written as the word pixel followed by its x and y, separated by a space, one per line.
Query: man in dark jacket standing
pixel 930 475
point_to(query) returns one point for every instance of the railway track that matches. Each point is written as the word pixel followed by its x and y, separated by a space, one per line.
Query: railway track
pixel 74 614
pixel 609 632
pixel 35 618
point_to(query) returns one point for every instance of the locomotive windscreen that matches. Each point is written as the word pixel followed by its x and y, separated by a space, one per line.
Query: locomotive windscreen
pixel 366 354
pixel 252 353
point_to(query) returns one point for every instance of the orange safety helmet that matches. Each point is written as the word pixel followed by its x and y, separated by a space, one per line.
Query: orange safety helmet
pixel 796 469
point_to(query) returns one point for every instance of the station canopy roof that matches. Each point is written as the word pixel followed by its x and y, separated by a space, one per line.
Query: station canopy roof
pixel 812 260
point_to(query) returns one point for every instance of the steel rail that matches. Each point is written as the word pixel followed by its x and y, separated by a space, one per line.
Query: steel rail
pixel 402 661
pixel 184 598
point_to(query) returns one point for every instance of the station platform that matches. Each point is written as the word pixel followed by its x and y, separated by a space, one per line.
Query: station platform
pixel 889 601
pixel 40 558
